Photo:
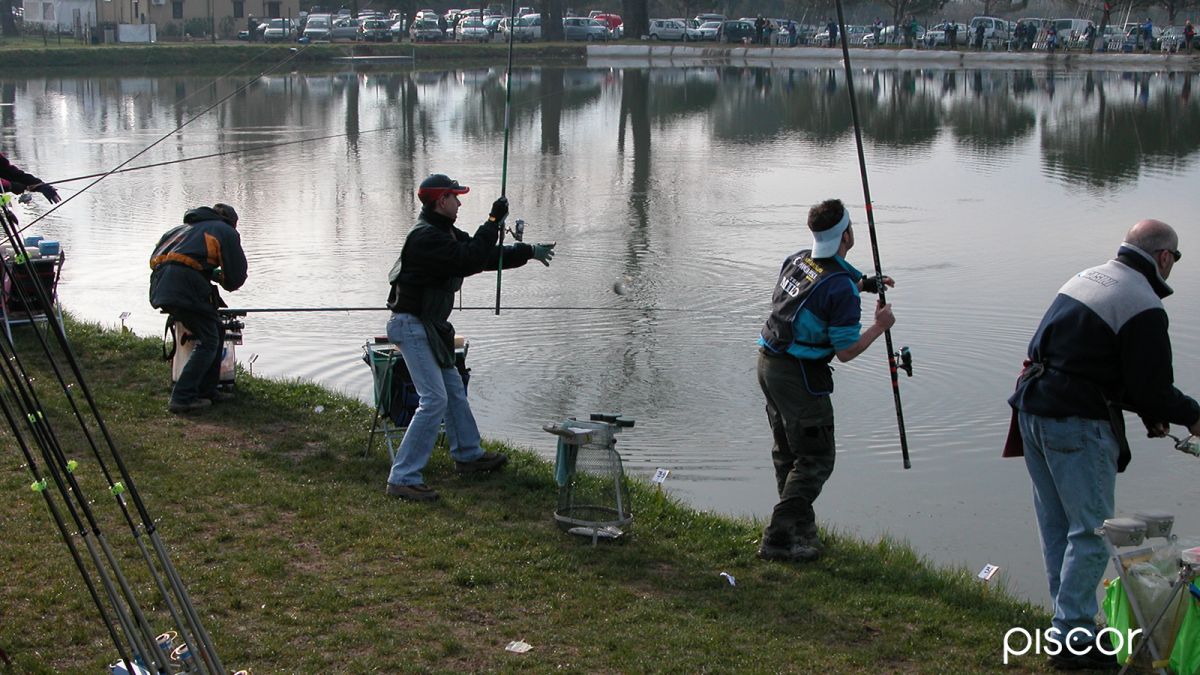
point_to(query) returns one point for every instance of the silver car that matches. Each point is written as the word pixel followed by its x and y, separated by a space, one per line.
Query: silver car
pixel 583 28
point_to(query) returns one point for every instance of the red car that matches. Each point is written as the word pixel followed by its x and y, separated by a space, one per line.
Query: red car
pixel 613 22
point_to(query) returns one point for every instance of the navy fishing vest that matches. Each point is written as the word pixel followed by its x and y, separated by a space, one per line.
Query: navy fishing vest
pixel 799 277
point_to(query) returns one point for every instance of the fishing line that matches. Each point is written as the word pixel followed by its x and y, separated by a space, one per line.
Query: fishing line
pixel 280 144
pixel 512 32
pixel 862 167
pixel 291 56
pixel 239 311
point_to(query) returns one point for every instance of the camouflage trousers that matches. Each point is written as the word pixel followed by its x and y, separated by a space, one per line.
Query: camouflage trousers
pixel 803 452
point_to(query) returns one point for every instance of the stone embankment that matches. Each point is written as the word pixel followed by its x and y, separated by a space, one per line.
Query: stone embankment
pixel 941 58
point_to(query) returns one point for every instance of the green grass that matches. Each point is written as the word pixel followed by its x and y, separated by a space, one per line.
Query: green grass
pixel 298 563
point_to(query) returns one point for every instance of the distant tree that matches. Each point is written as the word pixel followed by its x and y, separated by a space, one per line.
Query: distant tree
pixel 1173 7
pixel 552 16
pixel 8 26
pixel 904 8
pixel 636 18
pixel 1001 7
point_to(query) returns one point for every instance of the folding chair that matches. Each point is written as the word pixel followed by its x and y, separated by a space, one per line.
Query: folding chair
pixel 395 396
pixel 21 299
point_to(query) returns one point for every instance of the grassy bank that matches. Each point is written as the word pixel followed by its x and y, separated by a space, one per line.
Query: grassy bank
pixel 28 52
pixel 299 563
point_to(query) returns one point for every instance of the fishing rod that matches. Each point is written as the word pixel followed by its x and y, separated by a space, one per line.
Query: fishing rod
pixel 512 32
pixel 904 355
pixel 129 615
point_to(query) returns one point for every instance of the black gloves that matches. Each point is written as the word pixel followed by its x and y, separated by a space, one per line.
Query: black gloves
pixel 49 193
pixel 499 210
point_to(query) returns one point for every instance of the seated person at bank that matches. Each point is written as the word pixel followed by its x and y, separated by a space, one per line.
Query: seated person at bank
pixel 433 261
pixel 206 248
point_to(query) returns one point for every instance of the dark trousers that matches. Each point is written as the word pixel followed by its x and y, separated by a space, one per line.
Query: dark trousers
pixel 803 452
pixel 201 374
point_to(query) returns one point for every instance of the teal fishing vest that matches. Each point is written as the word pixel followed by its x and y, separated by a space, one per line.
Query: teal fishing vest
pixel 799 277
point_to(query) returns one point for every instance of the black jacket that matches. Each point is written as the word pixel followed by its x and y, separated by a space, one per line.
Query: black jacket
pixel 183 263
pixel 430 270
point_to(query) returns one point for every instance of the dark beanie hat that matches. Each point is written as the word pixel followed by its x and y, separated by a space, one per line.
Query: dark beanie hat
pixel 227 213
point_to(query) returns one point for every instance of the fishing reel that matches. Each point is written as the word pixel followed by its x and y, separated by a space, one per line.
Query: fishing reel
pixel 517 230
pixel 1189 444
pixel 904 360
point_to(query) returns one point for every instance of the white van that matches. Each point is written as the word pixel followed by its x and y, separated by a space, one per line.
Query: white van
pixel 1070 31
pixel 993 29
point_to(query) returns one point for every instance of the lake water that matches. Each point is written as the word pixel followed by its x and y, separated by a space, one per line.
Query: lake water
pixel 689 186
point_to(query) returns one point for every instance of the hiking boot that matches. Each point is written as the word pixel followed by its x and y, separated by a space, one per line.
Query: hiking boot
pixel 1090 657
pixel 412 493
pixel 769 551
pixel 488 461
pixel 179 407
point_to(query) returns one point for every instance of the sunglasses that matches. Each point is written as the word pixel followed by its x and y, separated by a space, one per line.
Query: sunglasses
pixel 1174 254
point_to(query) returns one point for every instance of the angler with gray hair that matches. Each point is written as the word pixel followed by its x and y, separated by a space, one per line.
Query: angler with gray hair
pixel 1102 347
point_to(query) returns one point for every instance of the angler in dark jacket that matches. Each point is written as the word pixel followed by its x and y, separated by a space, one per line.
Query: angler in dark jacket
pixel 1102 347
pixel 435 258
pixel 206 248
pixel 16 181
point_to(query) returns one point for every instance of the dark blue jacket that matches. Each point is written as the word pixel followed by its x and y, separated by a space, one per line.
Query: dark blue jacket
pixel 1104 340
pixel 185 258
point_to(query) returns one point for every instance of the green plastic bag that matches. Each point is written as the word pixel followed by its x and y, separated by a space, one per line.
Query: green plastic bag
pixel 1185 657
pixel 1120 616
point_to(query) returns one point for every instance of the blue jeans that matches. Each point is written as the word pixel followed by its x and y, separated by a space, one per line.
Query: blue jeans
pixel 443 396
pixel 1073 464
pixel 200 375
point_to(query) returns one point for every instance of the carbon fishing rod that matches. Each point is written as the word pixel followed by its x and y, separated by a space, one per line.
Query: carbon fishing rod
pixel 129 615
pixel 512 32
pixel 904 355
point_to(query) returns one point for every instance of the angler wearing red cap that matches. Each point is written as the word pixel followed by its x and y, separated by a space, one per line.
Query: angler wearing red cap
pixel 435 258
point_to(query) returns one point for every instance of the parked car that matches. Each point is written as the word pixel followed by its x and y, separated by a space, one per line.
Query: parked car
pixel 376 30
pixel 317 27
pixel 278 30
pixel 472 30
pixel 1171 39
pixel 1070 31
pixel 345 28
pixel 616 27
pixel 527 28
pixel 888 36
pixel 993 29
pixel 426 30
pixel 736 31
pixel 397 30
pixel 854 35
pixel 583 28
pixel 709 31
pixel 938 35
pixel 691 29
pixel 666 29
pixel 492 23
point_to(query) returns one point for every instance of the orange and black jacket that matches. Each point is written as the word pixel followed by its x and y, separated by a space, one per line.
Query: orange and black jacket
pixel 184 261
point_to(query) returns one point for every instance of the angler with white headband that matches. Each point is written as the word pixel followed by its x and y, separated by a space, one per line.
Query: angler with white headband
pixel 815 316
